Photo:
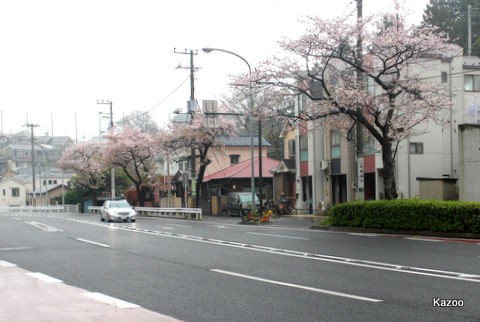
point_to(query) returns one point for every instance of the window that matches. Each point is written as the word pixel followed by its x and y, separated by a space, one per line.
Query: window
pixel 15 192
pixel 234 159
pixel 472 83
pixel 444 77
pixel 416 147
pixel 335 145
pixel 303 148
pixel 4 192
pixel 291 149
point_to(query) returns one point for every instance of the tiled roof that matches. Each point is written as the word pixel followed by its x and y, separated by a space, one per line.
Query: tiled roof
pixel 244 170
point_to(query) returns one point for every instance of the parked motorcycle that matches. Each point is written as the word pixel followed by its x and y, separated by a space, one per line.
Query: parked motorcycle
pixel 283 207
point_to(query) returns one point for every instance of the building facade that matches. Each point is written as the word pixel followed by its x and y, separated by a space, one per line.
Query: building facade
pixel 330 168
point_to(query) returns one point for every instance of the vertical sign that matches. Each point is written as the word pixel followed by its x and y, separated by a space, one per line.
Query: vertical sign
pixel 360 174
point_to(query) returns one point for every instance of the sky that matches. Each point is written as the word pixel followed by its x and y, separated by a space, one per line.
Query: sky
pixel 59 57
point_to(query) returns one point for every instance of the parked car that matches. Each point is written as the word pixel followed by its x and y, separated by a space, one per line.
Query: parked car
pixel 117 210
pixel 240 203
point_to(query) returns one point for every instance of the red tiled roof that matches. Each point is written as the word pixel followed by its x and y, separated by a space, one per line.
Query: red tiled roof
pixel 244 170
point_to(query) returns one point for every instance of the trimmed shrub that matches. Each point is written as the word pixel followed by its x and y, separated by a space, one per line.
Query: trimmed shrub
pixel 409 214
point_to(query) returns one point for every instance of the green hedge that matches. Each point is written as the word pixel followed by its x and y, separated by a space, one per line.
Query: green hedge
pixel 409 214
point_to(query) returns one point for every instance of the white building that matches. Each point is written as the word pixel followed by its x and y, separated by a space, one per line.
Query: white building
pixel 330 172
pixel 12 192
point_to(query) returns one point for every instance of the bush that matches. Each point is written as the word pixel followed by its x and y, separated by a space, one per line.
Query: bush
pixel 409 214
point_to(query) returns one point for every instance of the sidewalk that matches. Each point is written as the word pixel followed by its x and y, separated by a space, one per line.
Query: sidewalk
pixel 34 297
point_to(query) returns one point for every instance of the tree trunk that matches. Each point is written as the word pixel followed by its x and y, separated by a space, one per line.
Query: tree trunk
pixel 389 182
pixel 198 187
pixel 140 199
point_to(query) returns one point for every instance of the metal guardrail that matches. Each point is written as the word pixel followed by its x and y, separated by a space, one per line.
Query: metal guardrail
pixel 94 209
pixel 32 209
pixel 182 213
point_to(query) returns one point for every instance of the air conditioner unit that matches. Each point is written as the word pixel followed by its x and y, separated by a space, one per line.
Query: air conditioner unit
pixel 324 165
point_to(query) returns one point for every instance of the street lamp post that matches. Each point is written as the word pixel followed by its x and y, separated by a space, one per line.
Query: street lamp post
pixel 209 50
pixel 112 174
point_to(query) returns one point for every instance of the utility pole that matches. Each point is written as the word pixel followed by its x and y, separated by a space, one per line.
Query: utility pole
pixel 190 107
pixel 31 126
pixel 112 173
pixel 358 138
pixel 469 20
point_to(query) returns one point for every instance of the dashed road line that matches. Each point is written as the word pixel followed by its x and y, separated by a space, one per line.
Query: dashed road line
pixel 302 287
pixel 423 239
pixel 9 249
pixel 92 242
pixel 276 235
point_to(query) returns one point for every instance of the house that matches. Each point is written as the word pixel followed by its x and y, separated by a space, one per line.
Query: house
pixel 47 195
pixel 12 192
pixel 238 178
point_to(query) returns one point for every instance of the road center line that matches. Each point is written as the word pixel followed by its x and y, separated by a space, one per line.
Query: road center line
pixel 302 287
pixel 92 242
pixel 275 235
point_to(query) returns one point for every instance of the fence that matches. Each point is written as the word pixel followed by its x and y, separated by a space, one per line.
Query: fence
pixel 182 213
pixel 41 209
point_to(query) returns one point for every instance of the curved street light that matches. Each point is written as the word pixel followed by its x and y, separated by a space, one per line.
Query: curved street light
pixel 209 50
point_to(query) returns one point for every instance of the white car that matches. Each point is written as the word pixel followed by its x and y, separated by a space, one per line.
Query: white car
pixel 117 210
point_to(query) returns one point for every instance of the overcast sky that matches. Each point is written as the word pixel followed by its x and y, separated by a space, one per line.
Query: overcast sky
pixel 58 57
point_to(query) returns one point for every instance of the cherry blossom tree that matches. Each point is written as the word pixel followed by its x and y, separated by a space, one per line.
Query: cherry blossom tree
pixel 86 159
pixel 135 152
pixel 378 86
pixel 200 134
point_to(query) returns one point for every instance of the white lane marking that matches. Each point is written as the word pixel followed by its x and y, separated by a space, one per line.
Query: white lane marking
pixel 222 226
pixel 165 227
pixel 364 234
pixel 469 275
pixel 110 300
pixel 275 235
pixel 43 227
pixel 15 248
pixel 92 242
pixel 44 278
pixel 303 287
pixel 423 239
pixel 7 264
pixel 179 225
